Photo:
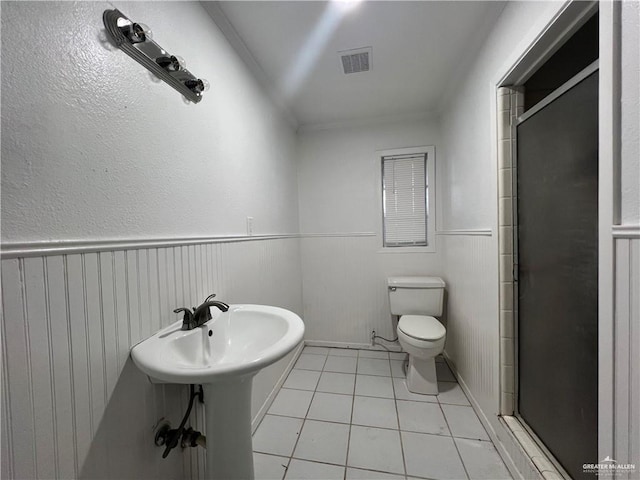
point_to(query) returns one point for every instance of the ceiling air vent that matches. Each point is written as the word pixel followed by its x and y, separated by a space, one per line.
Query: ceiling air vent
pixel 357 60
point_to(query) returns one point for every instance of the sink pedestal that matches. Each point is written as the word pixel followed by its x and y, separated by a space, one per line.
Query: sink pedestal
pixel 228 423
pixel 223 355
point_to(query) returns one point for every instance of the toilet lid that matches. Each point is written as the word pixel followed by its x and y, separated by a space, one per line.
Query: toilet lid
pixel 422 327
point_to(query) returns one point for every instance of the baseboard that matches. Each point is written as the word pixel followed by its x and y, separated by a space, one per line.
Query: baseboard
pixel 355 346
pixel 504 441
pixel 276 388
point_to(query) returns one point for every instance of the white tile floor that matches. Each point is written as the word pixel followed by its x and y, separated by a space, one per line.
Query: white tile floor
pixel 347 415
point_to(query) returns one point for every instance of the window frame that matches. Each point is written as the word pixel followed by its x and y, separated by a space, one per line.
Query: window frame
pixel 430 160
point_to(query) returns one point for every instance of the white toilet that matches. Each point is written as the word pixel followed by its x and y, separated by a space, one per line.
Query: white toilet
pixel 415 300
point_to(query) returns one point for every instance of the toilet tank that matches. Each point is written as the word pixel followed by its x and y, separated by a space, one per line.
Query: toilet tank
pixel 416 295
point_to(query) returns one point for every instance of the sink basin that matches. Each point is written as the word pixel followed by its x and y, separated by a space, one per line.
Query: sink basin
pixel 238 342
pixel 223 355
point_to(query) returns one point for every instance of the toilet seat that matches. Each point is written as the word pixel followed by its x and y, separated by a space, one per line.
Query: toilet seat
pixel 421 327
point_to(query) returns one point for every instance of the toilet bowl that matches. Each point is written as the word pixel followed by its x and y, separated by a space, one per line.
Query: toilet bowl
pixel 415 300
pixel 422 337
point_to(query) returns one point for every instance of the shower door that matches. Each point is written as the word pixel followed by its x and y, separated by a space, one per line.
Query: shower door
pixel 557 275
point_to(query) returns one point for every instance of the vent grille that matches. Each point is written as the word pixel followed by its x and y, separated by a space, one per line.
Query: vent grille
pixel 355 61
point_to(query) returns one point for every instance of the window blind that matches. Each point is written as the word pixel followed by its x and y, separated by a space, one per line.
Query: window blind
pixel 404 199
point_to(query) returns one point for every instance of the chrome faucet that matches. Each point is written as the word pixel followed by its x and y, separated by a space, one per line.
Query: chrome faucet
pixel 200 314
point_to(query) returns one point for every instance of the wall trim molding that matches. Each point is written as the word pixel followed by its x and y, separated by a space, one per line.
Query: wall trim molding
pixel 481 232
pixel 70 247
pixel 337 234
pixel 625 231
pixel 352 346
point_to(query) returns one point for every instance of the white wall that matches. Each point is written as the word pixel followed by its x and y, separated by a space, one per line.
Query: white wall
pixel 630 113
pixel 94 149
pixel 344 273
pixel 469 170
pixel 626 404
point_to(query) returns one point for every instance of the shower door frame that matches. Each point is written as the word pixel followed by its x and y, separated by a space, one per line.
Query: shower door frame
pixel 549 99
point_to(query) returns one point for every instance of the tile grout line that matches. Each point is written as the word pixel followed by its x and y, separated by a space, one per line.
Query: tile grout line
pixel 353 399
pixel 395 403
pixel 375 426
pixel 453 439
pixel 351 424
pixel 361 394
pixel 304 420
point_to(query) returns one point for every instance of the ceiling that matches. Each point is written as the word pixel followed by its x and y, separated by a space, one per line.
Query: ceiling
pixel 418 48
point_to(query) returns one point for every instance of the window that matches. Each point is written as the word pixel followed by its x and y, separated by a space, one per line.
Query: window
pixel 406 199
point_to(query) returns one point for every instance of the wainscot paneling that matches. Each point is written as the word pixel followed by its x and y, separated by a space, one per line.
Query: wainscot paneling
pixel 73 404
pixel 627 351
pixel 472 320
pixel 345 286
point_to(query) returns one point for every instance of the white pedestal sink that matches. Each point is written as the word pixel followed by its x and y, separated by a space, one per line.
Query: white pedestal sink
pixel 223 355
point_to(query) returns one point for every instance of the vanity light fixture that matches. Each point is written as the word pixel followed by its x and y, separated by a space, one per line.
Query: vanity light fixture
pixel 198 85
pixel 172 63
pixel 137 32
pixel 135 39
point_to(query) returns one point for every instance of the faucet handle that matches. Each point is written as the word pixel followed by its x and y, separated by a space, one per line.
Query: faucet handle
pixel 186 311
pixel 209 297
pixel 187 319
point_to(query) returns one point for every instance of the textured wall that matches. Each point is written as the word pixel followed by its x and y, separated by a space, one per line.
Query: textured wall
pixel 94 147
pixel 344 274
pixel 469 168
pixel 630 112
pixel 345 286
pixel 338 172
pixel 627 403
pixel 470 201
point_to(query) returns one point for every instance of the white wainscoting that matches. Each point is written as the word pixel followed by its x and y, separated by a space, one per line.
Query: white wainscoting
pixel 74 405
pixel 345 296
pixel 345 286
pixel 473 339
pixel 627 350
pixel 472 315
pixel 340 282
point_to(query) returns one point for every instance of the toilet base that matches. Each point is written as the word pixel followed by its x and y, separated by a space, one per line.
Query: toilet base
pixel 421 376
